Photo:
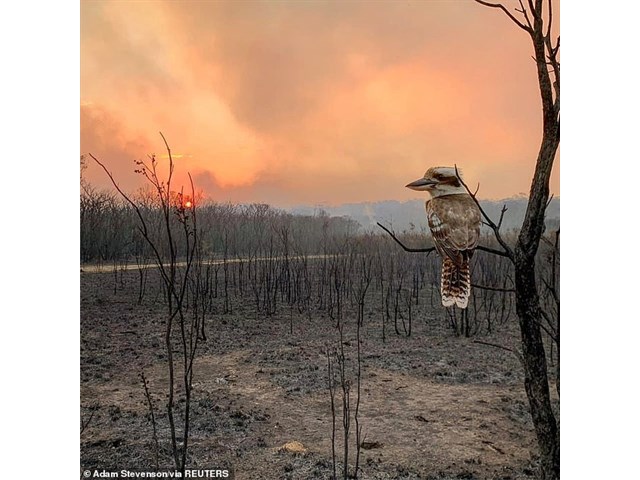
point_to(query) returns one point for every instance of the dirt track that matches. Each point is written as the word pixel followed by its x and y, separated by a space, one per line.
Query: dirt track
pixel 434 405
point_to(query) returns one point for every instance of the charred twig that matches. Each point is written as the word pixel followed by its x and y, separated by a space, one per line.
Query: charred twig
pixel 508 252
pixel 502 347
pixel 333 412
pixel 523 11
pixel 493 251
pixel 526 28
pixel 549 201
pixel 431 249
pixel 494 289
pixel 142 227
pixel 553 245
pixel 553 292
pixel 153 417
pixel 551 334
pixel 84 425
pixel 405 248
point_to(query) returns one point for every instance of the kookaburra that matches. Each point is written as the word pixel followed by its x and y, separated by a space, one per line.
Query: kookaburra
pixel 454 221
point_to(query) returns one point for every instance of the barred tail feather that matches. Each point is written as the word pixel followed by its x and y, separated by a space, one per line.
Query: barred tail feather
pixel 455 283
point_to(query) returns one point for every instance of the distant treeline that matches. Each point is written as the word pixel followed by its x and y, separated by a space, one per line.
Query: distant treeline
pixel 410 215
pixel 110 228
pixel 260 252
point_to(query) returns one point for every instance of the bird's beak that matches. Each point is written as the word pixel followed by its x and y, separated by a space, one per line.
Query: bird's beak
pixel 421 184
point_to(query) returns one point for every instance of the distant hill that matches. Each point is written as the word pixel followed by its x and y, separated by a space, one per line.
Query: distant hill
pixel 410 215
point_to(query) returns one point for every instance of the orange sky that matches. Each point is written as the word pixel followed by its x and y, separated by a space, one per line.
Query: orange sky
pixel 294 102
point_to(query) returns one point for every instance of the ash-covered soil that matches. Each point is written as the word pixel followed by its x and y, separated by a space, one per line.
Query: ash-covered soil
pixel 433 405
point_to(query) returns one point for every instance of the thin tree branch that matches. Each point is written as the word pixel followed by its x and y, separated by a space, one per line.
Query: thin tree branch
pixel 508 13
pixel 554 294
pixel 547 241
pixel 550 19
pixel 143 229
pixel 552 55
pixel 553 334
pixel 493 251
pixel 549 201
pixel 524 12
pixel 406 249
pixel 508 252
pixel 171 166
pixel 516 352
pixel 495 345
pixel 534 12
pixel 494 289
pixel 502 212
pixel 431 249
pixel 84 425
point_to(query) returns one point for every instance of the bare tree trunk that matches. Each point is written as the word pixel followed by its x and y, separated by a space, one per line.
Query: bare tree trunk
pixel 535 366
pixel 528 305
pixel 537 21
pixel 527 299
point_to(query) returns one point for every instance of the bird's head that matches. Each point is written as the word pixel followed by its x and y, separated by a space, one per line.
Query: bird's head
pixel 439 181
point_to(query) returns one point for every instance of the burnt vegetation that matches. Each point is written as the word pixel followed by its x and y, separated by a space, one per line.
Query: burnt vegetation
pixel 167 288
pixel 307 264
pixel 255 331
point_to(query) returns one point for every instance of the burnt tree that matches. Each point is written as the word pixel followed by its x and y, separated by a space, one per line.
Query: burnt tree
pixel 536 20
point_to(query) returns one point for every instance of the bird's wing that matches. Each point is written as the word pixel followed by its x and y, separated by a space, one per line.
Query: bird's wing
pixel 454 221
